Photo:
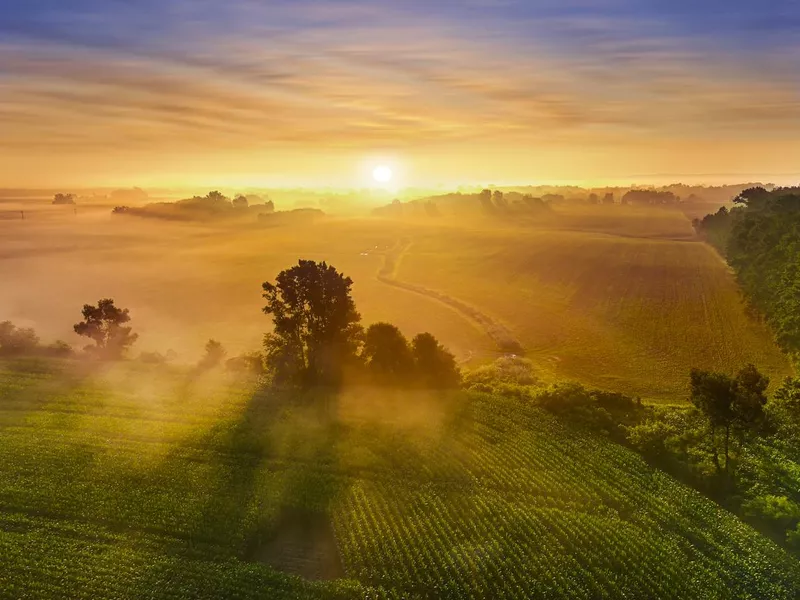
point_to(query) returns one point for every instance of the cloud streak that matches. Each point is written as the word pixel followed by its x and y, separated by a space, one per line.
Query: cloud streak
pixel 142 78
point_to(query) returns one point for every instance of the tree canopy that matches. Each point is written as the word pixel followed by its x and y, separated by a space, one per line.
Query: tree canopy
pixel 105 325
pixel 317 328
pixel 733 406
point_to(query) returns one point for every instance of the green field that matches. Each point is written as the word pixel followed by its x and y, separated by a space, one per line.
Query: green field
pixel 620 298
pixel 137 482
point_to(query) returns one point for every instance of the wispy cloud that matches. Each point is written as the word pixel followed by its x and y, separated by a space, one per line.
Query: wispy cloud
pixel 215 78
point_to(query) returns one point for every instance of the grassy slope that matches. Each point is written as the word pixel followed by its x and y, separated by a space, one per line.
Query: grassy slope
pixel 619 298
pixel 143 483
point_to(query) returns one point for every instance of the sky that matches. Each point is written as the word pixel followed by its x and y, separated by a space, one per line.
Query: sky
pixel 317 93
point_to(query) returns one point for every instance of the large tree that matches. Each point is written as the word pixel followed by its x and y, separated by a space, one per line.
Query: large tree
pixel 316 326
pixel 105 325
pixel 733 407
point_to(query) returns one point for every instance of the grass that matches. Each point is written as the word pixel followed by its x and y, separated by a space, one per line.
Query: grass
pixel 136 481
pixel 625 300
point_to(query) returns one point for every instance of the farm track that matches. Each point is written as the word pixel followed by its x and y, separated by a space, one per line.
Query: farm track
pixel 502 337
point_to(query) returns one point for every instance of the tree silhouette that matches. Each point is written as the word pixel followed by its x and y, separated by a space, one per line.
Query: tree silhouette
pixel 17 340
pixel 435 365
pixel 486 201
pixel 64 199
pixel 387 354
pixel 104 324
pixel 214 355
pixel 316 326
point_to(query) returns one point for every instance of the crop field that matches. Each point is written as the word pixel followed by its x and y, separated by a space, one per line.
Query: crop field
pixel 627 301
pixel 619 297
pixel 134 481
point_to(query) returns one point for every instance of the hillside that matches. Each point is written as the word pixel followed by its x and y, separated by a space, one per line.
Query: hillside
pixel 133 481
pixel 620 298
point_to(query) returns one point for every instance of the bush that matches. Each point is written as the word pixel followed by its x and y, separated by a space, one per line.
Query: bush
pixel 651 438
pixel 249 363
pixel 214 355
pixel 59 349
pixel 17 341
pixel 512 370
pixel 780 510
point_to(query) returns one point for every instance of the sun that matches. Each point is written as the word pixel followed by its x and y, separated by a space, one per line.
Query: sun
pixel 382 174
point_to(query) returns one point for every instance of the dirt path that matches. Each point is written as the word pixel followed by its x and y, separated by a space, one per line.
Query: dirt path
pixel 499 333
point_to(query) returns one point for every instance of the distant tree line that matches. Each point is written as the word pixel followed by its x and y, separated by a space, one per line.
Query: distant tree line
pixel 64 199
pixel 760 238
pixel 499 203
pixel 488 202
pixel 649 197
pixel 23 341
pixel 213 205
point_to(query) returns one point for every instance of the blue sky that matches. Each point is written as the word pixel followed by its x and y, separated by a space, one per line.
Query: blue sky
pixel 503 89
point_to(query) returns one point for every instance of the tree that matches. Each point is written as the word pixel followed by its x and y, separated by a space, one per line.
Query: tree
pixel 64 199
pixel 105 325
pixel 486 201
pixel 316 331
pixel 434 364
pixel 387 354
pixel 217 197
pixel 732 407
pixel 500 201
pixel 17 340
pixel 214 355
pixel 784 412
pixel 241 202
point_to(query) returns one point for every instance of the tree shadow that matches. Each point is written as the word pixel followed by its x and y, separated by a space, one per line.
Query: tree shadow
pixel 270 477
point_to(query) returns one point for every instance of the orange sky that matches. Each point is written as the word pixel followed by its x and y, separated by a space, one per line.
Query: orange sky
pixel 307 93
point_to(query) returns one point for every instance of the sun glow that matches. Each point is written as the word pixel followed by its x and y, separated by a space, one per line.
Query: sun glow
pixel 382 174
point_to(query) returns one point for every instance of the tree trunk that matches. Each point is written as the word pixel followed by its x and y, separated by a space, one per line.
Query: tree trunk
pixel 727 443
pixel 714 455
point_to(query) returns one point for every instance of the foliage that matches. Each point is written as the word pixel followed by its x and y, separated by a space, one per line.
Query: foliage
pixel 250 362
pixel 648 197
pixel 602 411
pixel 731 406
pixel 387 354
pixel 17 340
pixel 316 330
pixel 23 341
pixel 436 367
pixel 64 199
pixel 214 355
pixel 105 325
pixel 761 241
pixel 514 370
